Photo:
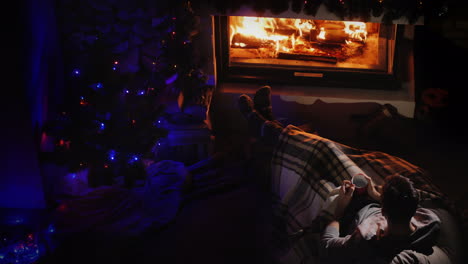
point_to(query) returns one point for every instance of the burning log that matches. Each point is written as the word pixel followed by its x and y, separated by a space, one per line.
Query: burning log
pixel 249 42
pixel 307 57
pixel 283 31
pixel 337 37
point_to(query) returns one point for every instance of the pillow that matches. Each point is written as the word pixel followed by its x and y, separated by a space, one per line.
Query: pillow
pixel 450 240
pixel 413 257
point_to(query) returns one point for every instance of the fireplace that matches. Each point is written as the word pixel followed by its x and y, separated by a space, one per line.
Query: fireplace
pixel 298 51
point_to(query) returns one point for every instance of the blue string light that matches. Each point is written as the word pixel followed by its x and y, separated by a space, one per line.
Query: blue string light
pixel 96 86
pixel 133 159
pixel 112 154
pixel 76 72
pixel 51 229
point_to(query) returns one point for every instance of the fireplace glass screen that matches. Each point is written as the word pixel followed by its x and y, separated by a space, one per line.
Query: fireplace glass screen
pixel 305 44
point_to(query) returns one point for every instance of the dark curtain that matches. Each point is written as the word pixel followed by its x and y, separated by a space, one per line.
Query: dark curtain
pixel 32 89
pixel 43 61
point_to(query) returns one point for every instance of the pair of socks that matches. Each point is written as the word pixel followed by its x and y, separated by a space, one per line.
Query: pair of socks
pixel 260 119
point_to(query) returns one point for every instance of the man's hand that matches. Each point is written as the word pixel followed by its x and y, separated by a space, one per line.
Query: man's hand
pixel 372 189
pixel 344 197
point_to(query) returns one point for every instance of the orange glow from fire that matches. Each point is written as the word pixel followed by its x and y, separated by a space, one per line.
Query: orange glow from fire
pixel 290 39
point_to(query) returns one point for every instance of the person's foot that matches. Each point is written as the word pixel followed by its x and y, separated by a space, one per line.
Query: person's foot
pixel 246 105
pixel 262 102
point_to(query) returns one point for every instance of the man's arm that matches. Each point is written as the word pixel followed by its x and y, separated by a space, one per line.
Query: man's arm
pixel 336 247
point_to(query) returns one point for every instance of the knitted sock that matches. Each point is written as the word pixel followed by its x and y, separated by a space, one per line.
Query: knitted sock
pixel 262 102
pixel 259 127
pixel 246 105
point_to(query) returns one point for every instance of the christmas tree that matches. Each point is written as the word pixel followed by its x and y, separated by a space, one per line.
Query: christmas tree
pixel 124 62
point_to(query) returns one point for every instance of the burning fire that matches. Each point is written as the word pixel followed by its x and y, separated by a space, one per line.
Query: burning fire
pixel 295 36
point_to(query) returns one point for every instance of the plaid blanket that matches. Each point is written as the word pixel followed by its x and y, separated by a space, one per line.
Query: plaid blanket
pixel 306 167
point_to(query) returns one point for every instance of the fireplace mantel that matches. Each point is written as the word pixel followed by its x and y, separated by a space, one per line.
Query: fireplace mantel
pixel 321 14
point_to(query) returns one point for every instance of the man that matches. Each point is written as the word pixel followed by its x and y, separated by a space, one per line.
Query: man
pixel 380 227
pixel 380 232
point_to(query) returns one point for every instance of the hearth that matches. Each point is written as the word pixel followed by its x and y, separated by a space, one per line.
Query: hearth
pixel 307 52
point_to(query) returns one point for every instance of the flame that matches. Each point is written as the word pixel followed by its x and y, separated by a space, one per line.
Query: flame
pixel 256 27
pixel 288 34
pixel 265 29
pixel 356 30
pixel 322 33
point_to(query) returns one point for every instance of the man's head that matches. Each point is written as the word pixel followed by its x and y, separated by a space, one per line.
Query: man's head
pixel 399 199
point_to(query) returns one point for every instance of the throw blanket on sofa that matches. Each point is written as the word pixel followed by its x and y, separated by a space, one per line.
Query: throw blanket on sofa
pixel 307 167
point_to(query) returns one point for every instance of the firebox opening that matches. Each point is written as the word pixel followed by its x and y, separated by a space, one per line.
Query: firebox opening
pixel 298 51
pixel 303 43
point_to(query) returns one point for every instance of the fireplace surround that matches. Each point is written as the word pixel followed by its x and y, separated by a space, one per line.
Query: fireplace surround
pixel 296 51
pixel 394 84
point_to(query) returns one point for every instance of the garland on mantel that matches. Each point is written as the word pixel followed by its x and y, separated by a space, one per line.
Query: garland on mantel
pixel 362 10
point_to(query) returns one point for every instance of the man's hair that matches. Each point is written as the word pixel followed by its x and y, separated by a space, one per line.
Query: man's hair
pixel 399 199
